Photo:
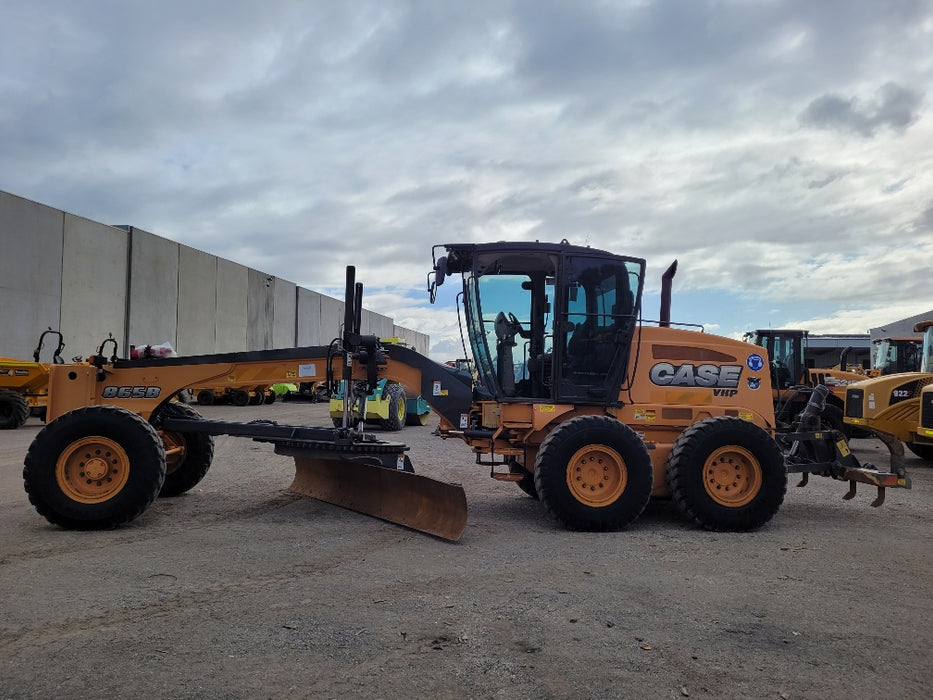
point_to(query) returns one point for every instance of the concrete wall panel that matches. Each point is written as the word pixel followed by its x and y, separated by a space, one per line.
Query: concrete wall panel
pixel 197 302
pixel 331 319
pixel 94 277
pixel 230 326
pixel 416 341
pixel 30 273
pixel 285 300
pixel 153 306
pixel 260 311
pixel 143 288
pixel 375 324
pixel 309 318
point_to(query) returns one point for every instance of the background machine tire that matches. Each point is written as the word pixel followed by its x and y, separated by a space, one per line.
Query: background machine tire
pixel 93 468
pixel 397 409
pixel 924 452
pixel 14 410
pixel 205 397
pixel 593 473
pixel 727 474
pixel 188 456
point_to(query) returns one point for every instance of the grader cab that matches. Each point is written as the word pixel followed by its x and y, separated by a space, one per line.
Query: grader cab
pixel 576 398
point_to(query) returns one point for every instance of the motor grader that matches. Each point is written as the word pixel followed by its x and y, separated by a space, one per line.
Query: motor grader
pixel 576 398
pixel 889 406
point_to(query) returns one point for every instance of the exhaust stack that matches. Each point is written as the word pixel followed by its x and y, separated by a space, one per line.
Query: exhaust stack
pixel 667 282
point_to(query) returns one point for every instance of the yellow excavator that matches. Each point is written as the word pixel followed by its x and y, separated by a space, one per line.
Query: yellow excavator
pixel 575 397
pixel 889 406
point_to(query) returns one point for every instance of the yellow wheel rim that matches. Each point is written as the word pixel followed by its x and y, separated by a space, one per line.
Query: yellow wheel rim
pixel 92 469
pixel 732 476
pixel 596 475
pixel 176 449
pixel 401 410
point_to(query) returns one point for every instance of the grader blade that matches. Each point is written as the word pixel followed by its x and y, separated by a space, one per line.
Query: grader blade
pixel 394 495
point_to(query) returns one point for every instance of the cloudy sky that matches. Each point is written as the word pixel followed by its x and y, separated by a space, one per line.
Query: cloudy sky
pixel 782 151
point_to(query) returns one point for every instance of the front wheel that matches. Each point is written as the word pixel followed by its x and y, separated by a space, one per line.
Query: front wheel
pixel 188 456
pixel 727 474
pixel 593 473
pixel 93 468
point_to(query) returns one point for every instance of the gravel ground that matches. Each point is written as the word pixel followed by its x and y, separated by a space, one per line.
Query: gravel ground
pixel 240 589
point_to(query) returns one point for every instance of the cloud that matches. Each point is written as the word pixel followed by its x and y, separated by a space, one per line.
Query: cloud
pixel 300 137
pixel 896 108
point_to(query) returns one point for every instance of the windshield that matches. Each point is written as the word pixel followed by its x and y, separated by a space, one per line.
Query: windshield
pixel 787 356
pixel 896 355
pixel 551 326
pixel 927 362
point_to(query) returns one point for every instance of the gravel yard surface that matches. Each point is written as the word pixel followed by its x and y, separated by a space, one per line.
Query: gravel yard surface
pixel 240 589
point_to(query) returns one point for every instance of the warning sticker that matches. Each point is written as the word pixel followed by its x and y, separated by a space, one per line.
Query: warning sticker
pixel 307 371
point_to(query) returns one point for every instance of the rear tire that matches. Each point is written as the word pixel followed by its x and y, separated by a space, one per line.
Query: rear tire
pixel 593 473
pixel 14 410
pixel 93 468
pixel 188 456
pixel 396 397
pixel 205 397
pixel 727 474
pixel 269 397
pixel 239 397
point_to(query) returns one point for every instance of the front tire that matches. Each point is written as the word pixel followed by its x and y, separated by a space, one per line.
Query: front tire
pixel 727 474
pixel 93 468
pixel 188 456
pixel 593 473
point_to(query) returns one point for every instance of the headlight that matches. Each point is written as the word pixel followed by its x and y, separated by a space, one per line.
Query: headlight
pixel 854 400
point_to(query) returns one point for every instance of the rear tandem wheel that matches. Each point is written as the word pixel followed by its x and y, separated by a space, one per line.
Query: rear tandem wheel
pixel 93 468
pixel 593 473
pixel 727 474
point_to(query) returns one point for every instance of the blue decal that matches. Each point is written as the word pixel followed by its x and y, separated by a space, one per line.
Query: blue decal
pixel 755 362
pixel 754 382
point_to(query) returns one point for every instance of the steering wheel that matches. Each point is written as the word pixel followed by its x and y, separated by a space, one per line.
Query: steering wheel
pixel 516 325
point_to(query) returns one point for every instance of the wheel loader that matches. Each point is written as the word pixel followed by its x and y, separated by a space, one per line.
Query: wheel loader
pixel 576 398
pixel 889 406
pixel 792 382
pixel 24 384
pixel 896 355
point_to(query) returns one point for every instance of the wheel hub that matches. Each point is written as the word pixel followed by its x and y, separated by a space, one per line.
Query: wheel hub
pixel 732 476
pixel 596 475
pixel 92 470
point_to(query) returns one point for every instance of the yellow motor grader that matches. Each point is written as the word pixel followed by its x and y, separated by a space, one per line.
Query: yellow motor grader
pixel 576 398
